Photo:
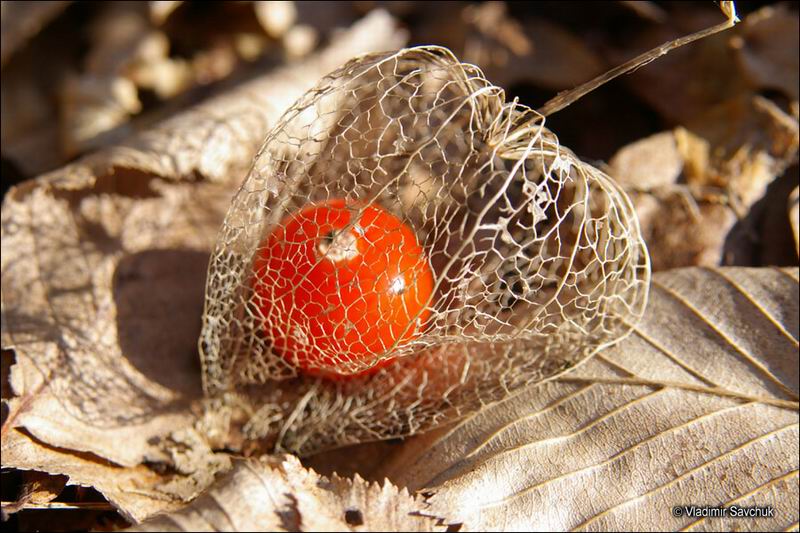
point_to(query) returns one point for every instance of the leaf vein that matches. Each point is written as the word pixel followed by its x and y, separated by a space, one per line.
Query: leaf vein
pixel 609 460
pixel 746 356
pixel 689 472
pixel 749 297
pixel 759 488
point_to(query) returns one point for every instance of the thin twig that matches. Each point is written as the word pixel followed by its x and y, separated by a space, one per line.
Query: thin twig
pixel 718 391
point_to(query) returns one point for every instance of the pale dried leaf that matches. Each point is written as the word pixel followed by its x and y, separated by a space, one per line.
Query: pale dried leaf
pixel 648 163
pixel 120 36
pixel 278 494
pixel 92 105
pixel 103 268
pixel 276 16
pixel 88 285
pixel 131 490
pixel 166 77
pixel 698 406
pixel 100 259
pixel 299 41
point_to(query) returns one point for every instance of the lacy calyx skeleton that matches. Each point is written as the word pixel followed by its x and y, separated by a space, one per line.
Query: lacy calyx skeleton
pixel 536 256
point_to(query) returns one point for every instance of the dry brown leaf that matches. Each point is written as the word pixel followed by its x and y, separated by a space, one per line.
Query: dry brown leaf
pixel 566 98
pixel 120 36
pixel 540 52
pixel 739 147
pixel 794 216
pixel 37 488
pixel 649 11
pixel 125 54
pixel 691 185
pixel 576 62
pixel 508 49
pixel 326 18
pixel 765 236
pixel 698 407
pixel 103 270
pixel 22 20
pixel 687 81
pixel 767 49
pixel 758 55
pixel 364 459
pixel 160 10
pixel 681 232
pixel 278 494
pixel 125 44
pixel 28 135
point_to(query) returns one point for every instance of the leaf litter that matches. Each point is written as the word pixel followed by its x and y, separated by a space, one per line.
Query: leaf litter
pixel 97 254
pixel 130 487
